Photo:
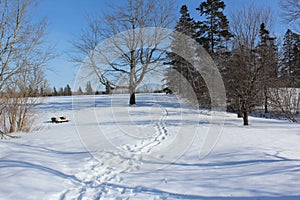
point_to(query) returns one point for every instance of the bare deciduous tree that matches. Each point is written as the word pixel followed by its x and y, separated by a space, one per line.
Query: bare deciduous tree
pixel 137 53
pixel 290 11
pixel 22 56
pixel 285 102
pixel 244 75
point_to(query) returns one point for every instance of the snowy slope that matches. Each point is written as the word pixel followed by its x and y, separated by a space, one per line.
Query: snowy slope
pixel 149 151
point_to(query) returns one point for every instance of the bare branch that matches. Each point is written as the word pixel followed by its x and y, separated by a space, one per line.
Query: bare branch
pixel 290 11
pixel 22 58
pixel 134 51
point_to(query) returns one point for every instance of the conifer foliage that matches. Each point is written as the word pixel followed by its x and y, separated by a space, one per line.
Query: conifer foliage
pixel 181 70
pixel 214 30
pixel 291 59
pixel 252 63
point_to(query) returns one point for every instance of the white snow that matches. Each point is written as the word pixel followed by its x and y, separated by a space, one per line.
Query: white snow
pixel 152 150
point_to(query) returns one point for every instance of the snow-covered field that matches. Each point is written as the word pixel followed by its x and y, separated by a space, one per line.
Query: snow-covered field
pixel 149 151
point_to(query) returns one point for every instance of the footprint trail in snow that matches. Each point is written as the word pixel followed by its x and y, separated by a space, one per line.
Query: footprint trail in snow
pixel 102 178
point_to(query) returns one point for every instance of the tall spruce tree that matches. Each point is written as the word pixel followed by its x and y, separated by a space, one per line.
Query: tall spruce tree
pixel 213 32
pixel 267 59
pixel 178 65
pixel 61 91
pixel 68 90
pixel 80 92
pixel 54 93
pixel 182 72
pixel 186 23
pixel 291 59
pixel 88 88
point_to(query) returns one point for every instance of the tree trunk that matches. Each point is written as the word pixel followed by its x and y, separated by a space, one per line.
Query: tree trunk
pixel 239 113
pixel 131 91
pixel 12 121
pixel 245 113
pixel 107 88
pixel 131 76
pixel 132 98
pixel 245 118
pixel 239 109
pixel 266 101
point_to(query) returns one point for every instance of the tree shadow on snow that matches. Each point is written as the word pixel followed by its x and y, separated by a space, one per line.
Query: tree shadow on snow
pixel 5 163
pixel 169 195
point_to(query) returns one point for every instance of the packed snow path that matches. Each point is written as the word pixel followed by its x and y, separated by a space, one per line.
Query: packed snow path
pixel 111 151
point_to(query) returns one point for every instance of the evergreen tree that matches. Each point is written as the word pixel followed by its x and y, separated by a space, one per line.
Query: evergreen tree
pixel 291 59
pixel 80 92
pixel 186 23
pixel 88 88
pixel 213 33
pixel 181 71
pixel 179 67
pixel 55 93
pixel 68 90
pixel 61 91
pixel 267 61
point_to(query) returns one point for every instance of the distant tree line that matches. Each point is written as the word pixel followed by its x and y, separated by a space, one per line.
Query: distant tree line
pixel 43 89
pixel 62 91
pixel 67 91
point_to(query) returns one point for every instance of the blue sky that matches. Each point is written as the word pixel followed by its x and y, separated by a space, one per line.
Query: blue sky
pixel 67 18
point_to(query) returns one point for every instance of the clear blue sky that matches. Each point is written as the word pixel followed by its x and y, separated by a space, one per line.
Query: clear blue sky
pixel 67 18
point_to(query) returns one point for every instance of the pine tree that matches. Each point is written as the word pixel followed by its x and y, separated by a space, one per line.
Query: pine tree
pixel 187 26
pixel 61 91
pixel 267 59
pixel 68 90
pixel 80 92
pixel 179 67
pixel 55 93
pixel 181 71
pixel 186 23
pixel 88 88
pixel 213 33
pixel 291 59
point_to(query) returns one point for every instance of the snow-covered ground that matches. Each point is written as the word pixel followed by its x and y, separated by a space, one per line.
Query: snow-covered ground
pixel 149 151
